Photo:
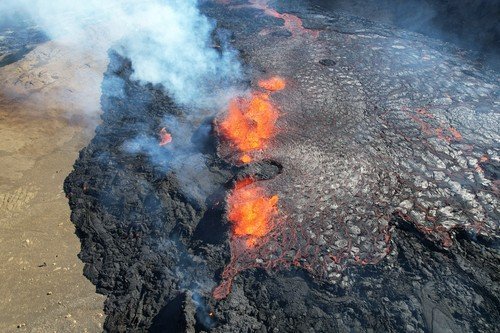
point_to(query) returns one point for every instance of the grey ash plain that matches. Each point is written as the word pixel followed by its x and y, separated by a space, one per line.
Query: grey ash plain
pixel 388 153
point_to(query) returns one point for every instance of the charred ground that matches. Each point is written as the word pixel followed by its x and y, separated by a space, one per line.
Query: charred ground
pixel 384 128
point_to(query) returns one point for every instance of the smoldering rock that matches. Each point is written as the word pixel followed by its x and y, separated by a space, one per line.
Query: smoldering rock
pixel 131 215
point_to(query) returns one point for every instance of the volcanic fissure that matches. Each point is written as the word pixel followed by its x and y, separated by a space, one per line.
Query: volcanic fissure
pixel 337 189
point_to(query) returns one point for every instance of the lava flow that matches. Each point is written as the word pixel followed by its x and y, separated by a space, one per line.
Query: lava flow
pixel 250 211
pixel 253 216
pixel 292 23
pixel 273 84
pixel 251 121
pixel 249 124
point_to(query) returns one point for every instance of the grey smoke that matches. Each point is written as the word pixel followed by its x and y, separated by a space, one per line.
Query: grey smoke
pixel 181 157
pixel 169 42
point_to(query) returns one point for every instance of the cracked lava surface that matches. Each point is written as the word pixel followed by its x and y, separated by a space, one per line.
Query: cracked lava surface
pixel 394 127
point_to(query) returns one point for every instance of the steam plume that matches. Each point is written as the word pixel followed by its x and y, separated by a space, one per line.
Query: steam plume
pixel 169 42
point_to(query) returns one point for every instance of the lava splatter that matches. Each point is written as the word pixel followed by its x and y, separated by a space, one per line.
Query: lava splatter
pixel 251 121
pixel 250 211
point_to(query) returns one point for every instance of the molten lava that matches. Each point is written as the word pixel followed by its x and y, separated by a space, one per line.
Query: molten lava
pixel 250 211
pixel 273 84
pixel 250 123
pixel 246 158
pixel 292 23
pixel 165 137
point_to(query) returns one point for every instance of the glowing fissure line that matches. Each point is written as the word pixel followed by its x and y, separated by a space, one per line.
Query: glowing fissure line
pixel 249 124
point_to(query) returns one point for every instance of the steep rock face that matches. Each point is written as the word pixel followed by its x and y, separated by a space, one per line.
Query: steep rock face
pixel 386 166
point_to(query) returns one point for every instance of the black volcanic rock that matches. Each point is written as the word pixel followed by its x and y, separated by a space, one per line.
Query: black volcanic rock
pixel 133 220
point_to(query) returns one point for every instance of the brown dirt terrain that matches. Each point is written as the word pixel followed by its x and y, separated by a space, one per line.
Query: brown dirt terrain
pixel 43 289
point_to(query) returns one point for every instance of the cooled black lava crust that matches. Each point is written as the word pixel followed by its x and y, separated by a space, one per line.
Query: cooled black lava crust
pixel 153 249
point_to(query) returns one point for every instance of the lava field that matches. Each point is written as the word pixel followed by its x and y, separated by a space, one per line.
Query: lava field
pixel 358 192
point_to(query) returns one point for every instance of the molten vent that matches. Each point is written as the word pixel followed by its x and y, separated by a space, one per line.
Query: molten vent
pixel 250 211
pixel 248 126
pixel 251 121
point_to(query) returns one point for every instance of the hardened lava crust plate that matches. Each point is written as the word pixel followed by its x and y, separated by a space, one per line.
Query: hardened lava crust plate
pixel 388 155
pixel 375 122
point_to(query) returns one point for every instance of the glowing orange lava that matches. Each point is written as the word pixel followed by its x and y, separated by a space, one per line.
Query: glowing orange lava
pixel 250 122
pixel 292 23
pixel 251 211
pixel 273 84
pixel 165 137
pixel 246 158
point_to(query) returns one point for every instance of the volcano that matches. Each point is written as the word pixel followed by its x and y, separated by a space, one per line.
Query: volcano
pixel 354 189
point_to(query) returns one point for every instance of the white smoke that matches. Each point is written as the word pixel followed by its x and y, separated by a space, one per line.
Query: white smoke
pixel 169 42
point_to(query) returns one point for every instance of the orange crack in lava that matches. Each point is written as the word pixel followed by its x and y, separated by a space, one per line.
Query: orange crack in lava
pixel 165 137
pixel 250 121
pixel 251 211
pixel 484 158
pixel 443 132
pixel 292 23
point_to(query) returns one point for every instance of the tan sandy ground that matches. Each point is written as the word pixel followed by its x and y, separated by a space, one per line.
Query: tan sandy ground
pixel 43 125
